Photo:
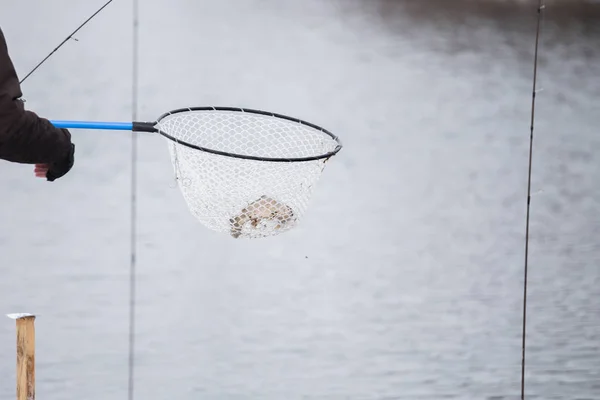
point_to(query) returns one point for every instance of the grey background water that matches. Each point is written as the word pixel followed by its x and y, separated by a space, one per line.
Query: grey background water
pixel 405 279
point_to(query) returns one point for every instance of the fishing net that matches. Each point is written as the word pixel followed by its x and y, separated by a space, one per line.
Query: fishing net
pixel 248 173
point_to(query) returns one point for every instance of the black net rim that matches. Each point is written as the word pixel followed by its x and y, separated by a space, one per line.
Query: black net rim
pixel 244 156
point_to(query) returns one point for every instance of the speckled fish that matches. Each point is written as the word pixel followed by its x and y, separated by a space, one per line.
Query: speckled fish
pixel 263 209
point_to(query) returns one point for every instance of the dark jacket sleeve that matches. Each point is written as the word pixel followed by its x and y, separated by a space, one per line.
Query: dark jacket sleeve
pixel 25 137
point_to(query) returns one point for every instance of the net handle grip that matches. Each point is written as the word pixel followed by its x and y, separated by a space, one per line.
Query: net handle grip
pixel 115 126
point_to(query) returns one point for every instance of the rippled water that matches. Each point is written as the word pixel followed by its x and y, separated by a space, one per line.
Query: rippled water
pixel 405 279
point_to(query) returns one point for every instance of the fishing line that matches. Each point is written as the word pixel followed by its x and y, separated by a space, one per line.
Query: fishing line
pixel 525 269
pixel 66 39
pixel 134 136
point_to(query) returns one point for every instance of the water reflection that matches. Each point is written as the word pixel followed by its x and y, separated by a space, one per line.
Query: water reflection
pixel 480 25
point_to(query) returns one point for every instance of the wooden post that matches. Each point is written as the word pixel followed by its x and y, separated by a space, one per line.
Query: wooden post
pixel 25 355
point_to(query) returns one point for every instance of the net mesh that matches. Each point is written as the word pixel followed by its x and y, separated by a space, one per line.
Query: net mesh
pixel 245 198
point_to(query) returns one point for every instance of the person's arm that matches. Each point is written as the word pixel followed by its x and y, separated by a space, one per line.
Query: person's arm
pixel 24 136
pixel 27 138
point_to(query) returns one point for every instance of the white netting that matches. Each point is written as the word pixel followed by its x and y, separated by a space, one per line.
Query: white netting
pixel 245 198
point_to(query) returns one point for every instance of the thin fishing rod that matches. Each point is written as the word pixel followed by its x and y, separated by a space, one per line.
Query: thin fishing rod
pixel 525 269
pixel 66 39
pixel 133 259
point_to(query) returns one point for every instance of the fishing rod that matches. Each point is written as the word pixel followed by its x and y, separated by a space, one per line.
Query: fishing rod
pixel 66 39
pixel 540 7
pixel 133 209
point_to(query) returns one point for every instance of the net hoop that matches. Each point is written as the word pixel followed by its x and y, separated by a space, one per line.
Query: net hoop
pixel 245 156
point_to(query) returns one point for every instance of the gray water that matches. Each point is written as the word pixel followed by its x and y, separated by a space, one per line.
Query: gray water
pixel 405 279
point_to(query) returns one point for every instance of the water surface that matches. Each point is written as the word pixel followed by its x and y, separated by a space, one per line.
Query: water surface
pixel 404 280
